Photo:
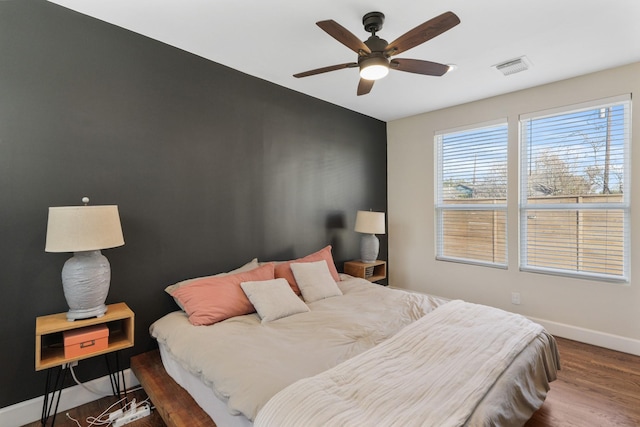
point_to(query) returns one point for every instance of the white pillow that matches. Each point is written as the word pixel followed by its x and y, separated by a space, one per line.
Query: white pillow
pixel 273 299
pixel 315 280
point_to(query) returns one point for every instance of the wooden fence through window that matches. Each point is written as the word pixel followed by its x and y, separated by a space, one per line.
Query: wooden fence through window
pixel 577 240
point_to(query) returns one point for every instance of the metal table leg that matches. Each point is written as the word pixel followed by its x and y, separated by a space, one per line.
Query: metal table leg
pixel 50 394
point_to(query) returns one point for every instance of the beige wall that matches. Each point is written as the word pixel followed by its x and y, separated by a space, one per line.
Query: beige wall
pixel 601 313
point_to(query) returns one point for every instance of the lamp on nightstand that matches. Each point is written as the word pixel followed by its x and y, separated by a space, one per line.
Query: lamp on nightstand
pixel 370 223
pixel 84 230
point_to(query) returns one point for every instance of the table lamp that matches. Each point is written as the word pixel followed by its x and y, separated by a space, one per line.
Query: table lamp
pixel 370 223
pixel 84 230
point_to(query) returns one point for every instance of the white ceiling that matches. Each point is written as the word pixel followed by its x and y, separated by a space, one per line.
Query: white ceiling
pixel 274 39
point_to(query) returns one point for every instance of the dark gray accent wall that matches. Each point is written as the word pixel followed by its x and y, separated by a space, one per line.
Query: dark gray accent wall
pixel 209 167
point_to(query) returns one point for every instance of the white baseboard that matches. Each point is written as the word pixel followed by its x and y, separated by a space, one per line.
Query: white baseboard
pixel 589 336
pixel 29 411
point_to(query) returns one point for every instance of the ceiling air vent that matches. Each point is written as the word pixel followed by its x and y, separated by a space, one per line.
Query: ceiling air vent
pixel 513 66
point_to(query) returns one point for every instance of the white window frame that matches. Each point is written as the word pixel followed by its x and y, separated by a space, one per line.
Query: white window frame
pixel 441 207
pixel 525 206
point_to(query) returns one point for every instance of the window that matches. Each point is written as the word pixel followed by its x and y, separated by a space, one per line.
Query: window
pixel 471 195
pixel 574 196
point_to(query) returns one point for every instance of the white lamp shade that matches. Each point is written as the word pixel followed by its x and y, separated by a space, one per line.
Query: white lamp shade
pixel 370 222
pixel 83 228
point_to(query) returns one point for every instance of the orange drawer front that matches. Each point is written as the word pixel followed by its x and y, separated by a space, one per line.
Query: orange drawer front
pixel 84 341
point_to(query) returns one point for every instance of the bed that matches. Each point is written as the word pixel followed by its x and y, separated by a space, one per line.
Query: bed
pixel 364 355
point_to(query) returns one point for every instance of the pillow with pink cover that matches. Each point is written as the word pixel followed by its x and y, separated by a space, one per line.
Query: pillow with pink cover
pixel 246 267
pixel 213 299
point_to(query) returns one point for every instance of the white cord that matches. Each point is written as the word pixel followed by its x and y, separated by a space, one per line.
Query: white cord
pixel 131 390
pixel 99 420
pixel 83 385
pixel 104 418
pixel 73 419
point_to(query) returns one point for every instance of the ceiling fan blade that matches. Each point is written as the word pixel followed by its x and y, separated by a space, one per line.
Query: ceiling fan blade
pixel 364 86
pixel 418 66
pixel 422 33
pixel 326 69
pixel 344 36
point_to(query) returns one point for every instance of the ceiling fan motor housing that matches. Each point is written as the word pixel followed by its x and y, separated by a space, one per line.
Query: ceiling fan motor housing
pixel 376 44
pixel 377 57
pixel 373 21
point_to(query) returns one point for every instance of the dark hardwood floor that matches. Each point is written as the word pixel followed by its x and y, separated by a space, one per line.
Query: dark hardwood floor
pixel 596 387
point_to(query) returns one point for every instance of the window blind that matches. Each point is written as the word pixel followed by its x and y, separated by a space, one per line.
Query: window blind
pixel 574 195
pixel 471 194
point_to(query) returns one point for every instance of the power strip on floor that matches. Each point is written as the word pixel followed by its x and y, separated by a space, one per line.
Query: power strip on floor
pixel 140 412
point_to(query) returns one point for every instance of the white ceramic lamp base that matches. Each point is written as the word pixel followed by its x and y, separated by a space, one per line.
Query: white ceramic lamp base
pixel 85 280
pixel 369 247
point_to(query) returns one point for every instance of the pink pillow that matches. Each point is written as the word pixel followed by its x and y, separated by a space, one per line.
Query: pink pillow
pixel 283 270
pixel 212 299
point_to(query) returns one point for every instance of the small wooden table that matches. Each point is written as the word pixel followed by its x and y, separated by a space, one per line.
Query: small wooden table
pixel 372 271
pixel 50 349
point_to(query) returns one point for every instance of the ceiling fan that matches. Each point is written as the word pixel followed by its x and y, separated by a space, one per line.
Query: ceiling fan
pixel 374 54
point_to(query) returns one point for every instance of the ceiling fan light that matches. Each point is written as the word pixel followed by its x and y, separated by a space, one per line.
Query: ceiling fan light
pixel 374 72
pixel 373 67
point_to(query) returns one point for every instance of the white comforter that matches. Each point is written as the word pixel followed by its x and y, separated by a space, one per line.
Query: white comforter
pixel 246 363
pixel 434 372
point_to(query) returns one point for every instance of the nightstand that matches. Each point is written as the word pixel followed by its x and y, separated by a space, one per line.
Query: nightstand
pixel 119 319
pixel 372 271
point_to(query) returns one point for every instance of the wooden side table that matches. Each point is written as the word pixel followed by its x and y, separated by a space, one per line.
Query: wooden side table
pixel 373 271
pixel 50 349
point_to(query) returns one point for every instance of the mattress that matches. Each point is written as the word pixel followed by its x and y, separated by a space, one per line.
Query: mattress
pixel 204 396
pixel 517 393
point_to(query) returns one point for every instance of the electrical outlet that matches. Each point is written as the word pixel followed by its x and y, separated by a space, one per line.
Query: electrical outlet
pixel 70 364
pixel 515 298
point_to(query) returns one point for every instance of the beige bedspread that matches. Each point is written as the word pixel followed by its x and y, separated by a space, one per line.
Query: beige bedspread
pixel 433 372
pixel 238 360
